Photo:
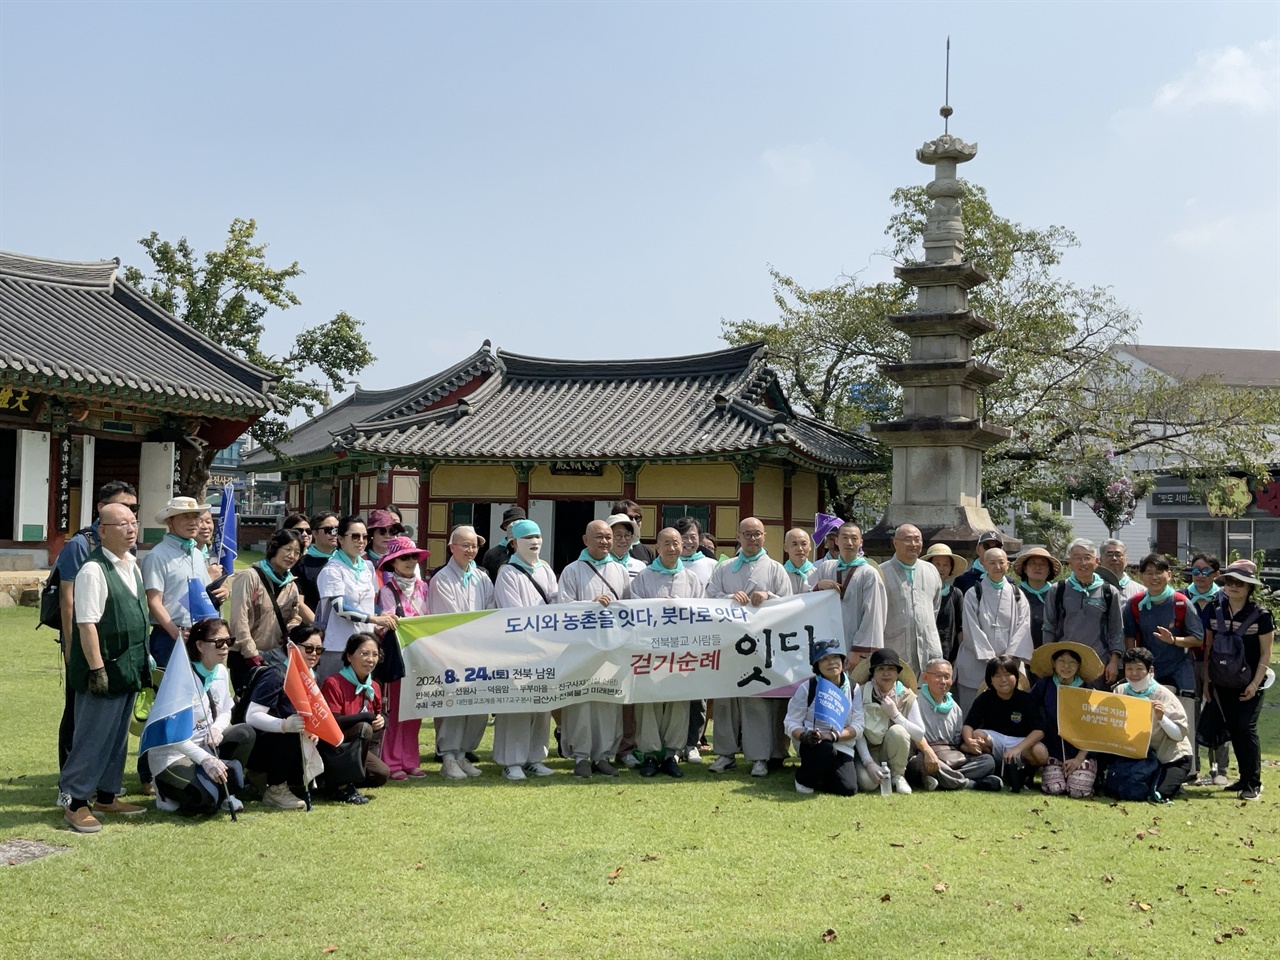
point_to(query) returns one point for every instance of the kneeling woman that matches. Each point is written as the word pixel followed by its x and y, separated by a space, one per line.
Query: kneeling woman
pixel 1068 770
pixel 1007 723
pixel 1169 740
pixel 277 754
pixel 826 739
pixel 202 773
pixel 356 701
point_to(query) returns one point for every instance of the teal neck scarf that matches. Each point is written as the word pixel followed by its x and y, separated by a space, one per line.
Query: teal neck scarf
pixel 666 571
pixel 909 570
pixel 204 552
pixel 743 558
pixel 946 587
pixel 802 571
pixel 604 561
pixel 1145 692
pixel 943 707
pixel 1124 581
pixel 1075 682
pixel 1096 582
pixel 1039 594
pixel 205 673
pixel 362 689
pixel 187 545
pixel 998 584
pixel 356 565
pixel 468 572
pixel 841 566
pixel 519 562
pixel 1196 596
pixel 314 551
pixel 265 567
pixel 1149 601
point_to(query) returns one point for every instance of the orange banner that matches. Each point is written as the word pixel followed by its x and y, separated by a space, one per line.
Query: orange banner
pixel 1104 722
pixel 301 689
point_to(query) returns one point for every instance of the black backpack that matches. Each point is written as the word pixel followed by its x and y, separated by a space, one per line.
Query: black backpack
pixel 243 699
pixel 1226 663
pixel 51 592
pixel 1129 779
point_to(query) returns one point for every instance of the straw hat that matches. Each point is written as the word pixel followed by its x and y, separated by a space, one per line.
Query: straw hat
pixel 1020 564
pixel 1090 664
pixel 941 550
pixel 180 505
pixel 862 672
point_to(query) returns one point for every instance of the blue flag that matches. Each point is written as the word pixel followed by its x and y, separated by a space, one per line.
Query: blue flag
pixel 198 603
pixel 226 535
pixel 172 718
pixel 831 706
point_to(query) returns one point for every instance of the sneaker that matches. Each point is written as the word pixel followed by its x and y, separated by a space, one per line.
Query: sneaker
pixel 169 806
pixel 351 795
pixel 1205 780
pixel 513 772
pixel 801 788
pixel 929 783
pixel 1231 787
pixel 119 806
pixel 469 768
pixel 538 769
pixel 991 783
pixel 1251 793
pixel 1219 780
pixel 671 767
pixel 721 764
pixel 692 755
pixel 760 768
pixel 605 767
pixel 450 770
pixel 279 796
pixel 64 800
pixel 650 767
pixel 628 760
pixel 82 820
pixel 900 785
pixel 582 769
pixel 233 803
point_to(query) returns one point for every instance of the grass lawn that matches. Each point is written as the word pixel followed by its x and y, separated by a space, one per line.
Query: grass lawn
pixel 710 866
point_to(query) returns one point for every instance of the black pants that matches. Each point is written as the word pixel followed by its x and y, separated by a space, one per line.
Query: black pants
pixel 279 756
pixel 1242 724
pixel 1173 776
pixel 697 722
pixel 67 726
pixel 826 769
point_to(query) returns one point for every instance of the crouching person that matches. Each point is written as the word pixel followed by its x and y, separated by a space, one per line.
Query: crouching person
pixel 825 729
pixel 1169 740
pixel 356 701
pixel 892 717
pixel 940 763
pixel 1007 723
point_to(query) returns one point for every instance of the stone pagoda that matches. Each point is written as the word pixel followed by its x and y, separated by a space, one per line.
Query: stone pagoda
pixel 939 440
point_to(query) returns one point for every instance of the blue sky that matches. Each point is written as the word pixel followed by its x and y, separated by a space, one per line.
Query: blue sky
pixel 603 180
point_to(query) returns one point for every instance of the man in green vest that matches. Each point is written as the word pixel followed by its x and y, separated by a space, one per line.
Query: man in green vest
pixel 106 670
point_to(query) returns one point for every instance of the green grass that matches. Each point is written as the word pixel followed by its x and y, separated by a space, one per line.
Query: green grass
pixel 710 866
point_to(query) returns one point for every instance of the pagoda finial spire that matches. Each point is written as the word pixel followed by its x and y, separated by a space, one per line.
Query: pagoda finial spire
pixel 946 110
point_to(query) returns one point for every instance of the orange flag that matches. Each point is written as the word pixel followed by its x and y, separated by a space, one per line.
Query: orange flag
pixel 301 689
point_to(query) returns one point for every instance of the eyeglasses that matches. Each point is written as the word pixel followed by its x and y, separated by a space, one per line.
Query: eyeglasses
pixel 635 519
pixel 369 654
pixel 749 535
pixel 123 524
pixel 329 530
pixel 358 536
pixel 1201 572
pixel 312 648
pixel 220 642
pixel 134 507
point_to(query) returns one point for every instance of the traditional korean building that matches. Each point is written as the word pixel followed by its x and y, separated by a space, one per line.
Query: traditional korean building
pixel 711 435
pixel 98 383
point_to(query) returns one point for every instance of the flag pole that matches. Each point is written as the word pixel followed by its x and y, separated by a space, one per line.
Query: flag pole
pixel 224 795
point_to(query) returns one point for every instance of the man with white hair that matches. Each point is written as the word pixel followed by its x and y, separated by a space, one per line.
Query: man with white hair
pixel 997 621
pixel 1115 559
pixel 1086 609
pixel 460 586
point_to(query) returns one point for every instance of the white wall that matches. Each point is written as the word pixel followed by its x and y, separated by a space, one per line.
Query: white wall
pixel 155 488
pixel 31 502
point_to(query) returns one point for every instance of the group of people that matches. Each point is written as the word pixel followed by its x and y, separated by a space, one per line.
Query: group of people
pixel 336 587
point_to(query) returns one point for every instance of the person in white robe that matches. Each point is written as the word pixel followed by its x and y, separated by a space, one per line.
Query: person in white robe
pixel 997 621
pixel 862 594
pixel 914 593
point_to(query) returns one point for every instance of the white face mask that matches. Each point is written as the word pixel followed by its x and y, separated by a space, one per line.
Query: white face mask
pixel 528 548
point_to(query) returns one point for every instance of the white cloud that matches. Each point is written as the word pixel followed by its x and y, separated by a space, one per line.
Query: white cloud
pixel 1227 75
pixel 1205 236
pixel 795 164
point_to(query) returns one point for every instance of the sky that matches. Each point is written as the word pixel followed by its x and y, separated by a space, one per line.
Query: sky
pixel 602 180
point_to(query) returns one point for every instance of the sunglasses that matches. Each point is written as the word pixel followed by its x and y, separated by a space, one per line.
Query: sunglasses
pixel 305 531
pixel 220 642
pixel 329 530
pixel 358 536
pixel 1201 572
pixel 313 648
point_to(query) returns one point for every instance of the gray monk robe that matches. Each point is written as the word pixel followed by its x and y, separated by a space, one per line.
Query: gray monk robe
pixel 592 730
pixel 760 718
pixel 911 621
pixel 662 728
pixel 862 604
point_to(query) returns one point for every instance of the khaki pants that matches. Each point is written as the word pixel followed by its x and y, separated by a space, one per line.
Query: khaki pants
pixel 895 750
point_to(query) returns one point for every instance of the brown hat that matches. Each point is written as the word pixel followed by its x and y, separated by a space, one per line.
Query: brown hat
pixel 1090 664
pixel 1020 564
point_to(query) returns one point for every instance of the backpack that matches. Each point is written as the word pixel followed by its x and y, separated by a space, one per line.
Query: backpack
pixel 51 592
pixel 1058 600
pixel 1129 779
pixel 1226 664
pixel 1179 613
pixel 241 705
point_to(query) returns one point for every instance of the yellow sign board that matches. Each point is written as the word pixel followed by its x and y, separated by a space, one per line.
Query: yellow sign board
pixel 1104 722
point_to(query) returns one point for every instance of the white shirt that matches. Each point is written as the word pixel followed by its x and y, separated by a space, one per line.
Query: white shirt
pixel 700 565
pixel 338 579
pixel 169 568
pixel 91 585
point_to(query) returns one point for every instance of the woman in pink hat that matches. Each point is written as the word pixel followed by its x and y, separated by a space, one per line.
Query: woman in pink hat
pixel 405 593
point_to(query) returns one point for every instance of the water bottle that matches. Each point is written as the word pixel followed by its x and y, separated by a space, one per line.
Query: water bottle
pixel 886 782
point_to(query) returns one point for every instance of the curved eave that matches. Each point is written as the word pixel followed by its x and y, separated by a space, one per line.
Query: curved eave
pixel 68 383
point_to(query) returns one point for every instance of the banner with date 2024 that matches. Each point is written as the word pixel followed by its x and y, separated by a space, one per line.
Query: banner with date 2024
pixel 534 659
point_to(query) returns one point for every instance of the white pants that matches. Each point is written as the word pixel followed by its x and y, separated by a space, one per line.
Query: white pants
pixel 591 731
pixel 662 728
pixel 761 737
pixel 457 735
pixel 520 738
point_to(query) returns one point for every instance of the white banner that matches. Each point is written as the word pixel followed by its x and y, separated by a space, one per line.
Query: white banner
pixel 534 659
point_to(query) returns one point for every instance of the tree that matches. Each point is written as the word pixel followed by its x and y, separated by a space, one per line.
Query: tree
pixel 226 295
pixel 1043 526
pixel 1068 396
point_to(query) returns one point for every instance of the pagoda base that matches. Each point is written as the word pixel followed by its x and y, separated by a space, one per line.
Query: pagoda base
pixel 957 527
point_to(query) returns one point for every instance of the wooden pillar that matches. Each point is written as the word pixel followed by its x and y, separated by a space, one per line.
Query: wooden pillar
pixel 787 472
pixel 522 485
pixel 629 471
pixel 424 504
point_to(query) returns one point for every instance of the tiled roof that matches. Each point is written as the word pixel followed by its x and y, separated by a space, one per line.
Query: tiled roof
pixel 79 330
pixel 1230 366
pixel 713 404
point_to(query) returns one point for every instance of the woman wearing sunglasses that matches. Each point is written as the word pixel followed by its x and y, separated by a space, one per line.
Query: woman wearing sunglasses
pixel 277 753
pixel 203 773
pixel 322 543
pixel 347 593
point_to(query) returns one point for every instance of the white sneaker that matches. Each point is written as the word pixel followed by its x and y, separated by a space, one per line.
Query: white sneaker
pixel 514 772
pixel 692 755
pixel 721 764
pixel 629 760
pixel 538 769
pixel 168 806
pixel 450 770
pixel 801 788
pixel 760 768
pixel 280 796
pixel 900 785
pixel 469 768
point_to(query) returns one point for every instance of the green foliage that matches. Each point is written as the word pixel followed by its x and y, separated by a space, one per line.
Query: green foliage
pixel 1067 395
pixel 226 294
pixel 1038 524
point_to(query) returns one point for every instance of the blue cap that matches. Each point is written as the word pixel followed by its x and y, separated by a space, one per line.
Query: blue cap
pixel 824 648
pixel 523 528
